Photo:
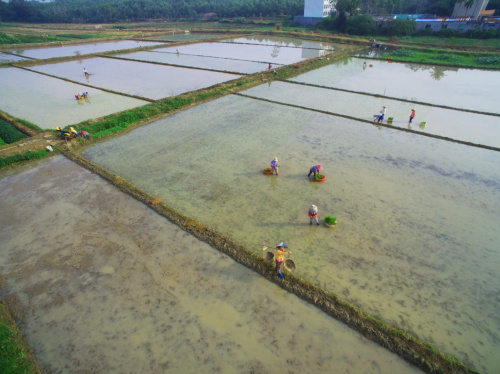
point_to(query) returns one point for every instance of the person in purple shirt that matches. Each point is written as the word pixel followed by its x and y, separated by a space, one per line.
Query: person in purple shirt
pixel 315 169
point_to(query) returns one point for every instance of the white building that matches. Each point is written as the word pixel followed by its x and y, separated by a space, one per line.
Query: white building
pixel 318 8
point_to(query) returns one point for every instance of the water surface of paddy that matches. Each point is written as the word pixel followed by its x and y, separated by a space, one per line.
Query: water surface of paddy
pixel 83 49
pixel 49 102
pixel 453 124
pixel 150 81
pixel 105 285
pixel 416 243
pixel 455 87
pixel 6 57
pixel 285 42
pixel 206 63
pixel 187 37
pixel 247 52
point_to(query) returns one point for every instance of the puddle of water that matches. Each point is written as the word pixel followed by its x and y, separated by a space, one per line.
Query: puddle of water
pixel 206 63
pixel 454 124
pixel 186 37
pixel 286 42
pixel 49 102
pixel 416 239
pixel 255 53
pixel 5 57
pixel 458 88
pixel 82 49
pixel 135 78
pixel 107 285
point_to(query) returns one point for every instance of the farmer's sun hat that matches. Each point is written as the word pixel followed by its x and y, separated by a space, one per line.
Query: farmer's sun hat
pixel 313 208
pixel 282 244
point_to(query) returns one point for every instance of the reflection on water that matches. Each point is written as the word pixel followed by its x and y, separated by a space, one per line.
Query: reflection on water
pixel 135 78
pixel 83 49
pixel 186 37
pixel 416 239
pixel 459 88
pixel 285 42
pixel 108 286
pixel 49 102
pixel 454 124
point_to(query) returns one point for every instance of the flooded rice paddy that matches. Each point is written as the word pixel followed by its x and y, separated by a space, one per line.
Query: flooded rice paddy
pixel 82 49
pixel 104 284
pixel 455 124
pixel 49 102
pixel 205 63
pixel 150 81
pixel 416 242
pixel 472 89
pixel 247 52
pixel 187 37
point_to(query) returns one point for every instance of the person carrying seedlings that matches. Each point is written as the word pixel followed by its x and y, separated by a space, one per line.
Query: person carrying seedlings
pixel 275 165
pixel 313 214
pixel 315 169
pixel 382 114
pixel 280 256
pixel 412 115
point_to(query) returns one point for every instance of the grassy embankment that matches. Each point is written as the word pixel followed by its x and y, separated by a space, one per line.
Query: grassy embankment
pixel 448 58
pixel 15 355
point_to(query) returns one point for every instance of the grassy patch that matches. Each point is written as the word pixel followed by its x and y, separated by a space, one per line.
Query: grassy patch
pixel 28 156
pixel 471 60
pixel 9 134
pixel 13 359
pixel 27 39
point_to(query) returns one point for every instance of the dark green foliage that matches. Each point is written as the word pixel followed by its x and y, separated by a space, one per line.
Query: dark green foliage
pixel 402 53
pixel 24 39
pixel 12 357
pixel 483 34
pixel 491 60
pixel 361 25
pixel 10 160
pixel 327 23
pixel 9 134
pixel 2 142
pixel 447 57
pixel 401 27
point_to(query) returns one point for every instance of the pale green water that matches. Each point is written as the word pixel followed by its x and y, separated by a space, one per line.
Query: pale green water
pixel 150 81
pixel 108 286
pixel 247 52
pixel 49 102
pixel 206 63
pixel 459 88
pixel 416 243
pixel 83 49
pixel 454 124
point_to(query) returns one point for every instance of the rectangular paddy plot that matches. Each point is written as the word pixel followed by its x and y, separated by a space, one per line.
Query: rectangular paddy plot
pixel 144 80
pixel 455 87
pixel 453 124
pixel 416 241
pixel 247 52
pixel 83 49
pixel 206 63
pixel 92 267
pixel 49 102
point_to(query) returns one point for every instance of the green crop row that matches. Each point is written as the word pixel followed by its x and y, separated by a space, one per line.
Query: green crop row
pixel 9 134
pixel 471 60
pixel 30 155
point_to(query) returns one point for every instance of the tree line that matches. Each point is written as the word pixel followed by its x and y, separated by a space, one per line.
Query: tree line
pixel 102 11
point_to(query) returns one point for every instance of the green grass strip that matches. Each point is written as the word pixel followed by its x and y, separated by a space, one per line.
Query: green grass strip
pixel 21 157
pixel 9 133
pixel 470 60
pixel 13 359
